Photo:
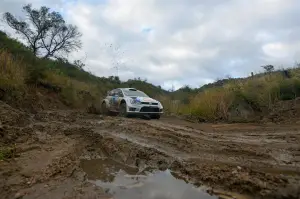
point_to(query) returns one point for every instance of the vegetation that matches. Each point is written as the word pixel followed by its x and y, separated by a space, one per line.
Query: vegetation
pixel 21 71
pixel 47 34
pixel 241 99
pixel 7 152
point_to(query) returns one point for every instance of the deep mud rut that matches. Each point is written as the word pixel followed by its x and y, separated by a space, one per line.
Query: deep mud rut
pixel 233 160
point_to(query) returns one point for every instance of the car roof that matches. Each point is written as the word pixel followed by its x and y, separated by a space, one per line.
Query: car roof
pixel 126 89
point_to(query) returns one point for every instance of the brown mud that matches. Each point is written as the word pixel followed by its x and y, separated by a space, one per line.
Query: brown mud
pixel 233 160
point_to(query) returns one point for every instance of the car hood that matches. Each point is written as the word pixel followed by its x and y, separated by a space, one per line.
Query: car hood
pixel 145 99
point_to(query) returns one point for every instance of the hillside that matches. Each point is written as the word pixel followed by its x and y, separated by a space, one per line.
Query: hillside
pixel 32 83
pixel 23 73
pixel 255 98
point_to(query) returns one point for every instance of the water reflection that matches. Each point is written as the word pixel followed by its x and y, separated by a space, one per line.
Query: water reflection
pixel 121 181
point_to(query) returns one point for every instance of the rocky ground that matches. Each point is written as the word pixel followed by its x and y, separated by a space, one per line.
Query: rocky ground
pixel 257 161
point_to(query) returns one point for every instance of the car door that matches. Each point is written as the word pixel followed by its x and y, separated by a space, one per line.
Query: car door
pixel 120 96
pixel 109 98
pixel 114 99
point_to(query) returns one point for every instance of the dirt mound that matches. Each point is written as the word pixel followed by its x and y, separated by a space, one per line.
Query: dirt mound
pixel 285 112
pixel 32 99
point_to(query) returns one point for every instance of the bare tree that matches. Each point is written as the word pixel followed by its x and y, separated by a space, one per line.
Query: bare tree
pixel 268 68
pixel 79 64
pixel 46 33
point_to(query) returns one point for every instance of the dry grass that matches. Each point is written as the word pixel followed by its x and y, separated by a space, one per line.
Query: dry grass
pixel 75 93
pixel 260 93
pixel 212 104
pixel 12 71
pixel 14 75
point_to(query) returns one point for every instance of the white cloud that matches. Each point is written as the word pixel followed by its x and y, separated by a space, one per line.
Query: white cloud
pixel 181 42
pixel 282 52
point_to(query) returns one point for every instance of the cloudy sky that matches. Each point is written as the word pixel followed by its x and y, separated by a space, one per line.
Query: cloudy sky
pixel 179 42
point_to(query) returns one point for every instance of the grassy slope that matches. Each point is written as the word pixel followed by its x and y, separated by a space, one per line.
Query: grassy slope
pixel 230 100
pixel 242 99
pixel 22 72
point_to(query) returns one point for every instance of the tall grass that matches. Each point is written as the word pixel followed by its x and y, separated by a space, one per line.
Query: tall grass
pixel 16 78
pixel 12 71
pixel 252 95
pixel 211 104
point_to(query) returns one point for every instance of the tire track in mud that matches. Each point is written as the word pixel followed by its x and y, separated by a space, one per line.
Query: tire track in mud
pixel 197 144
pixel 231 159
pixel 224 160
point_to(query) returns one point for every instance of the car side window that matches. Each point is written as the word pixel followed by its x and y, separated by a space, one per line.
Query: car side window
pixel 111 93
pixel 120 94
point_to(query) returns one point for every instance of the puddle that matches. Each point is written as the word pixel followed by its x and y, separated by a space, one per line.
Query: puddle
pixel 124 182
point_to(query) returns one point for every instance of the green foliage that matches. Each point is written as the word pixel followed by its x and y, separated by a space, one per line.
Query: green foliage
pixel 249 96
pixel 6 153
pixel 268 68
pixel 289 89
pixel 76 87
pixel 81 89
pixel 150 89
pixel 69 95
pixel 35 74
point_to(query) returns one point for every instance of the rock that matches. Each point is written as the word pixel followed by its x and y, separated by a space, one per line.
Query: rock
pixel 19 195
pixel 239 168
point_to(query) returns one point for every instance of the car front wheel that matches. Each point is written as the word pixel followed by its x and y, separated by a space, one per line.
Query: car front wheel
pixel 123 110
pixel 156 116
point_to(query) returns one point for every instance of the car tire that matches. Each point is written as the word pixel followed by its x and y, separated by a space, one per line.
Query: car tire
pixel 104 110
pixel 157 117
pixel 123 110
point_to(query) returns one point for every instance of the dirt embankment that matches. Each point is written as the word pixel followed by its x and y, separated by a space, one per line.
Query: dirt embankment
pixel 261 161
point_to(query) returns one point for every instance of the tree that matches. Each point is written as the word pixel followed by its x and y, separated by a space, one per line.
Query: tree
pixel 45 32
pixel 186 88
pixel 268 68
pixel 79 64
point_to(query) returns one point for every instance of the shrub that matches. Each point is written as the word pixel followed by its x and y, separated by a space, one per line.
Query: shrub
pixel 12 71
pixel 35 74
pixel 212 104
pixel 7 152
pixel 289 89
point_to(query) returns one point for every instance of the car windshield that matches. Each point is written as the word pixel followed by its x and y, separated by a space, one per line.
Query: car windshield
pixel 134 93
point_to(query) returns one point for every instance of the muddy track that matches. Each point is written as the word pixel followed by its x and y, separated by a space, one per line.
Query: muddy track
pixel 260 161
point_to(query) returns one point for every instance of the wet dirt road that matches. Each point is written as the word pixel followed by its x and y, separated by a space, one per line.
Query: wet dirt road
pixel 232 160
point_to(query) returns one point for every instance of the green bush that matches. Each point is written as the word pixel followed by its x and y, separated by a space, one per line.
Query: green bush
pixel 35 74
pixel 69 96
pixel 289 89
pixel 6 153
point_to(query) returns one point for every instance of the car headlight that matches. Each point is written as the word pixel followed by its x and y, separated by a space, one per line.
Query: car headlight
pixel 160 105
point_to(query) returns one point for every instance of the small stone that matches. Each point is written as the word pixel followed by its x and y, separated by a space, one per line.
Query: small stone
pixel 239 168
pixel 234 172
pixel 18 195
pixel 46 185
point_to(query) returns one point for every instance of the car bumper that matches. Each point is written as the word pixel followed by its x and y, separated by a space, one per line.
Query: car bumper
pixel 144 110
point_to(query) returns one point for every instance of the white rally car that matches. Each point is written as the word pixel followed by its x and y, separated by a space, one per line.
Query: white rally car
pixel 130 101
